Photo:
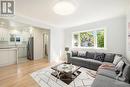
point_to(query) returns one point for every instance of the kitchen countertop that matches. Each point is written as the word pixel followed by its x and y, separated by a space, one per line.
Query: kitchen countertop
pixel 12 46
pixel 8 48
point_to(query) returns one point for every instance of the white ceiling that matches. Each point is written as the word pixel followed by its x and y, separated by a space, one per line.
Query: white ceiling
pixel 87 11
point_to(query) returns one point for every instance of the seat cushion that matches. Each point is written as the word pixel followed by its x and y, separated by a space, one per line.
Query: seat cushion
pixel 94 64
pixel 99 57
pixel 103 81
pixel 79 61
pixel 107 65
pixel 107 72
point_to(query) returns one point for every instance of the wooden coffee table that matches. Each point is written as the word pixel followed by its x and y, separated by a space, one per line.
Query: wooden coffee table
pixel 66 72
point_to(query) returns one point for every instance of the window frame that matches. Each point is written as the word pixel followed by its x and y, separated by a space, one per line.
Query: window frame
pixel 95 41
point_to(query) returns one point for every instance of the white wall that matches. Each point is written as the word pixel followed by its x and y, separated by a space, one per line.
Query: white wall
pixel 56 45
pixel 116 34
pixel 128 21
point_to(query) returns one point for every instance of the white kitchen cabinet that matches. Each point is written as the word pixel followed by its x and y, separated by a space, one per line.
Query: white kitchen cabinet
pixel 22 52
pixel 12 57
pixel 3 57
pixel 25 36
pixel 8 56
pixel 4 34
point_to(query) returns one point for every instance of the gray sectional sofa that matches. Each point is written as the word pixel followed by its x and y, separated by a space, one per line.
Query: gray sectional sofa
pixel 90 60
pixel 106 77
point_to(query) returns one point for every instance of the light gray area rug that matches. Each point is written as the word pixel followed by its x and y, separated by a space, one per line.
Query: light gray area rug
pixel 44 78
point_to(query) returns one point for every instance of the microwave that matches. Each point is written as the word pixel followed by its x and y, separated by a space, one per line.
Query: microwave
pixel 15 39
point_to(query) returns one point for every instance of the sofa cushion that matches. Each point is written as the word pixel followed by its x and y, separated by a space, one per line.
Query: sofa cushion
pixel 99 57
pixel 117 58
pixel 119 67
pixel 82 54
pixel 94 64
pixel 74 53
pixel 91 55
pixel 126 73
pixel 103 81
pixel 79 61
pixel 109 57
pixel 107 65
pixel 107 72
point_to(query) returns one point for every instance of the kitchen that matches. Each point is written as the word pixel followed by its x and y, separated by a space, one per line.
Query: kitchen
pixel 14 42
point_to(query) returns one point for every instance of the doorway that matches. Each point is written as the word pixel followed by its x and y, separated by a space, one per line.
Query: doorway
pixel 45 45
pixel 37 46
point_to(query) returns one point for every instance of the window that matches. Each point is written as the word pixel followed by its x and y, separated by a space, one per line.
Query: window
pixel 76 40
pixel 100 38
pixel 89 39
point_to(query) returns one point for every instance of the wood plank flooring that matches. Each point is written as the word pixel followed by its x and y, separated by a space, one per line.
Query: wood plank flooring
pixel 19 75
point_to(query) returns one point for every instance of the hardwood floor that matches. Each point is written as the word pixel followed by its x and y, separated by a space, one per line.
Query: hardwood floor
pixel 19 75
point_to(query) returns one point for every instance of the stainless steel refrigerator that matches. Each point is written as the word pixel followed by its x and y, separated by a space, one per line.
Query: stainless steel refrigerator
pixel 30 54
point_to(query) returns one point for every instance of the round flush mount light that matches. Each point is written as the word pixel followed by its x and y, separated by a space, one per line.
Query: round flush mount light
pixel 64 7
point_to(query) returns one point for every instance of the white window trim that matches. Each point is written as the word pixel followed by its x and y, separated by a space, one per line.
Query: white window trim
pixel 95 47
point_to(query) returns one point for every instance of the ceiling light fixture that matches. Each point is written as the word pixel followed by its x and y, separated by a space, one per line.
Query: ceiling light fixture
pixel 64 7
pixel 12 24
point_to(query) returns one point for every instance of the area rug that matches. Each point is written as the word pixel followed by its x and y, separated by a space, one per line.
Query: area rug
pixel 44 78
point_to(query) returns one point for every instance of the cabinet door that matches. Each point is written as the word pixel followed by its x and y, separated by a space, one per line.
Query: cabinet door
pixel 4 34
pixel 12 57
pixel 22 52
pixel 3 57
pixel 1 34
pixel 25 36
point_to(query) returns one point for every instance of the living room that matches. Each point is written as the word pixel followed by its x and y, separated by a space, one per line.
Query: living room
pixel 65 43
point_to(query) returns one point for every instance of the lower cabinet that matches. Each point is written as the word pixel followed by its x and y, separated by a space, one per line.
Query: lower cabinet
pixel 22 52
pixel 3 57
pixel 8 57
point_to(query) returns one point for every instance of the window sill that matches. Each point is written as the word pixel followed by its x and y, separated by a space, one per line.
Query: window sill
pixel 89 48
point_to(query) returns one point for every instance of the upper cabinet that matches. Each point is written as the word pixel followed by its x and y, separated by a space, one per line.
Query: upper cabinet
pixel 4 34
pixel 14 36
pixel 25 36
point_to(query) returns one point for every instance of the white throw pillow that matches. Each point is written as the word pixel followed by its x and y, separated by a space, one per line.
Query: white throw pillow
pixel 116 59
pixel 119 67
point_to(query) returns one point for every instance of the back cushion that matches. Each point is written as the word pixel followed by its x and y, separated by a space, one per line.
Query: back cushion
pixel 117 58
pixel 119 67
pixel 126 73
pixel 91 55
pixel 109 57
pixel 99 57
pixel 82 54
pixel 74 53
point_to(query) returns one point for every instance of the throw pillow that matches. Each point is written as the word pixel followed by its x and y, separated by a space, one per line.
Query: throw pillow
pixel 117 59
pixel 126 73
pixel 91 55
pixel 82 54
pixel 99 57
pixel 109 57
pixel 74 53
pixel 119 67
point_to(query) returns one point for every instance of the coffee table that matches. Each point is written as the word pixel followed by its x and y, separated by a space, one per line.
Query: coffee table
pixel 66 72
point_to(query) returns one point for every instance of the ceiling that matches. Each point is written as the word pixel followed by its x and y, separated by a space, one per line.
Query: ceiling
pixel 87 11
pixel 13 25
